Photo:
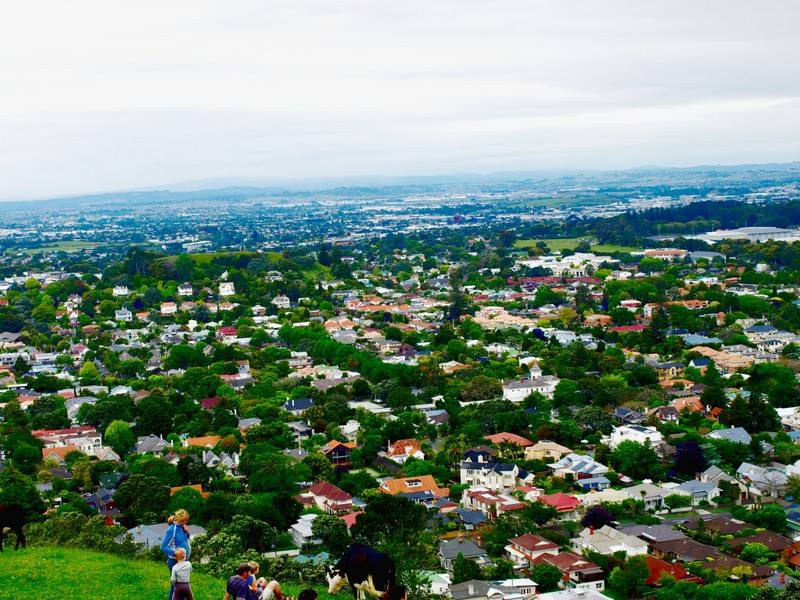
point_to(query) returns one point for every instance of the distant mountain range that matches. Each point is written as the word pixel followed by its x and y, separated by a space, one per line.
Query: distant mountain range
pixel 238 188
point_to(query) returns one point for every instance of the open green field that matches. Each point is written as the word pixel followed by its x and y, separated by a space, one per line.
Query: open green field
pixel 205 258
pixel 558 244
pixel 69 574
pixel 64 246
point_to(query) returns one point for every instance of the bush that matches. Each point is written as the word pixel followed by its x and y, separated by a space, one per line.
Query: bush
pixel 79 531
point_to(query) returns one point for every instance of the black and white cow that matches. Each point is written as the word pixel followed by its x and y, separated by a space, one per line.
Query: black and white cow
pixel 368 572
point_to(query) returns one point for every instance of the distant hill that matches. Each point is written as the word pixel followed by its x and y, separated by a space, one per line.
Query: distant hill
pixel 238 189
pixel 69 574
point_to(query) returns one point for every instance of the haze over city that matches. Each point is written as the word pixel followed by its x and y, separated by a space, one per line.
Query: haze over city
pixel 98 96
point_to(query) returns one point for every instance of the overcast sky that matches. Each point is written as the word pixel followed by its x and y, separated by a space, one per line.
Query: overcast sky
pixel 109 95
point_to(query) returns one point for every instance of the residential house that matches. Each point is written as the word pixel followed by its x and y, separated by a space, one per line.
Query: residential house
pixel 684 550
pixel 489 502
pixel 764 481
pixel 493 475
pixel 401 450
pixel 519 389
pixel 525 549
pixel 338 453
pixel 328 498
pixel 607 541
pixel 658 569
pixel 567 506
pixel 634 433
pixel 281 302
pixel 302 532
pixel 652 495
pixel 547 451
pixel 578 572
pixel 422 489
pixel 450 549
pixel 297 406
pixel 577 466
pixel 226 288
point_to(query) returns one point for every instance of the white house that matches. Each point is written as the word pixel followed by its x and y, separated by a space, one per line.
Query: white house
pixel 226 288
pixel 634 433
pixel 120 291
pixel 123 314
pixel 185 289
pixel 301 531
pixel 281 302
pixel 607 540
pixel 519 389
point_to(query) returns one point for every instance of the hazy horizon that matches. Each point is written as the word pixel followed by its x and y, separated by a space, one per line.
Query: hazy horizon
pixel 105 97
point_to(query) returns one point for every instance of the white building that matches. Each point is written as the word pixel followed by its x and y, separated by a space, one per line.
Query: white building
pixel 634 433
pixel 120 291
pixel 226 288
pixel 607 541
pixel 301 531
pixel 281 302
pixel 519 389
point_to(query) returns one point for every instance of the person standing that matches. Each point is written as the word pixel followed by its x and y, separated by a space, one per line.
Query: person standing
pixel 176 536
pixel 181 573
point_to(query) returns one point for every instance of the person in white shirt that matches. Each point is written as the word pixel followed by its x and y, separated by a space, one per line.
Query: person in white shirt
pixel 181 574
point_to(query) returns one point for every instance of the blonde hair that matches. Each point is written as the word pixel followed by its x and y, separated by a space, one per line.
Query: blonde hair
pixel 180 552
pixel 181 516
pixel 255 566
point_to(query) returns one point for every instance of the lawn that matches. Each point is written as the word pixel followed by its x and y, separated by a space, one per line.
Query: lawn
pixel 558 244
pixel 63 246
pixel 69 574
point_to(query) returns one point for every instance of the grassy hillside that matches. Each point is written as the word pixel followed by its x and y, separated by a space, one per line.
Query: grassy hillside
pixel 570 243
pixel 69 574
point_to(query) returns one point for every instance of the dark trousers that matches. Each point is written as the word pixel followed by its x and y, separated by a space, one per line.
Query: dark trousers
pixel 183 591
pixel 170 563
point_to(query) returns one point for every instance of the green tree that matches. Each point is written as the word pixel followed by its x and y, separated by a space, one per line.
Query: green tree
pixel 636 460
pixel 755 553
pixel 320 467
pixel 332 530
pixel 629 580
pixel 16 488
pixel 142 498
pixel 546 576
pixel 120 437
pixel 465 569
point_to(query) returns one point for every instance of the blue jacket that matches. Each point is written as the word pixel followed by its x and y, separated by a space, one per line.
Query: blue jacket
pixel 176 532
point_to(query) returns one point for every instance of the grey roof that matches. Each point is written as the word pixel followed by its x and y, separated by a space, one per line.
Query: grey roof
pixel 732 434
pixel 450 549
pixel 653 533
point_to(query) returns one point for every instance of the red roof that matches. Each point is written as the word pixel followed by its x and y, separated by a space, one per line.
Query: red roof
pixel 513 438
pixel 627 328
pixel 561 502
pixel 660 567
pixel 209 403
pixel 350 518
pixel 329 491
pixel 534 543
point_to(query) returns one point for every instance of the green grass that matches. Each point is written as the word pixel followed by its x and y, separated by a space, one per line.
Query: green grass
pixel 558 244
pixel 69 574
pixel 205 258
pixel 64 246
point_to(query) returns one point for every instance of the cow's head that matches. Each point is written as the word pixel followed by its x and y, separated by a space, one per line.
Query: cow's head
pixel 336 579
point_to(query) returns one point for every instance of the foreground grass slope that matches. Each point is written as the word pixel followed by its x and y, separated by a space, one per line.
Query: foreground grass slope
pixel 68 574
